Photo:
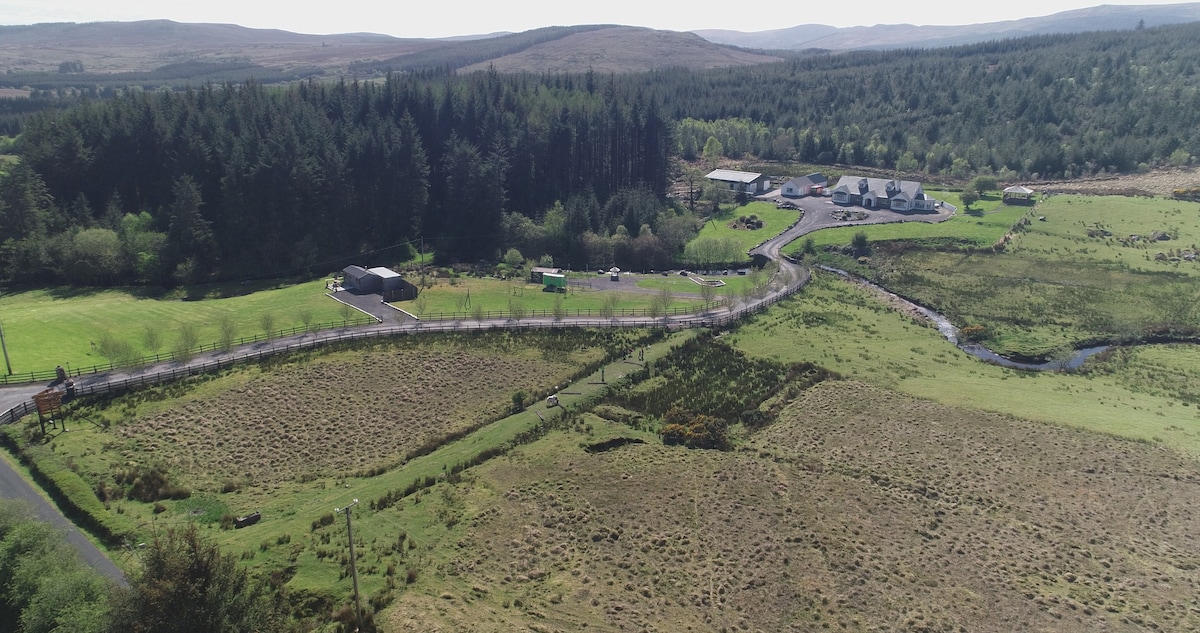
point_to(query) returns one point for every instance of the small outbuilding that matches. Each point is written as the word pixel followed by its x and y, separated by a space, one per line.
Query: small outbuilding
pixel 554 282
pixel 355 277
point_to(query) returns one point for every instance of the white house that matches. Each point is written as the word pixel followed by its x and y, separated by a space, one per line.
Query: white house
pixel 804 186
pixel 746 181
pixel 875 193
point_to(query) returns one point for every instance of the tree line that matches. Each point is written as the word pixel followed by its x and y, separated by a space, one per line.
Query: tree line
pixel 236 181
pixel 227 181
pixel 1050 106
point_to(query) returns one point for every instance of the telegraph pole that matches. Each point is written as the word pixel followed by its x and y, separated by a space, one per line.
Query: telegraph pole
pixel 353 567
pixel 4 346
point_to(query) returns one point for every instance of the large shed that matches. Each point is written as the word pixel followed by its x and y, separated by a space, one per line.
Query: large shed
pixel 749 182
pixel 392 286
pixel 381 280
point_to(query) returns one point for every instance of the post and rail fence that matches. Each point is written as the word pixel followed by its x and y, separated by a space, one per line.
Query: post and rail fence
pixel 92 382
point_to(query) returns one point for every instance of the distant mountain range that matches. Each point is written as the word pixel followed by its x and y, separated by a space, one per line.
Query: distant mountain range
pixel 884 36
pixel 158 52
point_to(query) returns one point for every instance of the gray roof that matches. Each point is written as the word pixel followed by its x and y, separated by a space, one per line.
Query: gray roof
pixel 354 272
pixel 384 273
pixel 882 187
pixel 810 180
pixel 729 175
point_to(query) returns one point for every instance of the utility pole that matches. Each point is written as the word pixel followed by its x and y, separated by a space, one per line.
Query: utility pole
pixel 3 345
pixel 353 567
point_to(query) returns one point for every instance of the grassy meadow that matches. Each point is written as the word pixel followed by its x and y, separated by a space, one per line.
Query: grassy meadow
pixel 774 222
pixel 381 417
pixel 57 326
pixel 1153 395
pixel 471 295
pixel 1073 278
pixel 859 509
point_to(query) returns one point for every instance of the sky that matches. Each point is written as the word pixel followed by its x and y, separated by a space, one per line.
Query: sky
pixel 411 18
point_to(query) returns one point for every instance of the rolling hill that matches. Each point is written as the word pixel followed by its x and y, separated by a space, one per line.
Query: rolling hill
pixel 163 52
pixel 57 54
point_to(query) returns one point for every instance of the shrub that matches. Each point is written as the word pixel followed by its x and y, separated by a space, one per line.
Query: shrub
pixel 695 430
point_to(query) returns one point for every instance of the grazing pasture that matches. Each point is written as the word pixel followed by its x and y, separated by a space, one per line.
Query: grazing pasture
pixel 860 509
pixel 725 225
pixel 1076 277
pixel 57 326
pixel 1149 396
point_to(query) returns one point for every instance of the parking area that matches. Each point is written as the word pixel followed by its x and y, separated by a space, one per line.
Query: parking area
pixel 824 212
pixel 371 303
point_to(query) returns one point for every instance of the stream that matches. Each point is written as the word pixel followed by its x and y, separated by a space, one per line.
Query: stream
pixel 947 330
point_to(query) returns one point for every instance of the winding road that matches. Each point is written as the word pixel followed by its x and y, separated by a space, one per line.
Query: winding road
pixel 789 279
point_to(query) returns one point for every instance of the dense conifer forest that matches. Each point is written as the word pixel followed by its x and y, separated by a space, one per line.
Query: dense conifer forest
pixel 225 181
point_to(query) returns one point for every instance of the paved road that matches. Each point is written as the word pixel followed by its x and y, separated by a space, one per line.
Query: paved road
pixel 790 278
pixel 14 486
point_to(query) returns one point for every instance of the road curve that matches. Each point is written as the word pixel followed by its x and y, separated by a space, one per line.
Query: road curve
pixel 790 278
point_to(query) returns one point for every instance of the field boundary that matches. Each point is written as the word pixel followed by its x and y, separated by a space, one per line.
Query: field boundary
pixel 52 374
pixel 104 384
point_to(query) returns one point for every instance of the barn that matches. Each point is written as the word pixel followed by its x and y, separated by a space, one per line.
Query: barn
pixel 378 280
pixel 744 181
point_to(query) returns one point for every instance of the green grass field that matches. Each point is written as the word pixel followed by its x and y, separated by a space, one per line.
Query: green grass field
pixel 56 326
pixel 1151 396
pixel 774 222
pixel 1062 282
pixel 444 299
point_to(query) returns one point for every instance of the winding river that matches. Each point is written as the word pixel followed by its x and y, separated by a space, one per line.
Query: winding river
pixel 947 330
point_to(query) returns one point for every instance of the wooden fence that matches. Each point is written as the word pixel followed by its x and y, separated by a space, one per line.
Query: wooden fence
pixel 91 385
pixel 51 374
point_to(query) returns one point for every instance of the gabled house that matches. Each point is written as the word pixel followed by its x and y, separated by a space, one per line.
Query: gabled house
pixel 811 184
pixel 747 181
pixel 881 193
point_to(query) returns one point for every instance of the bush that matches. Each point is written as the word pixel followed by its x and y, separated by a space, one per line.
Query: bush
pixel 70 491
pixel 695 431
pixel 149 483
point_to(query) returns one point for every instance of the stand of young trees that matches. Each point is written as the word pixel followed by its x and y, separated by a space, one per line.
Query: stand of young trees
pixel 237 181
